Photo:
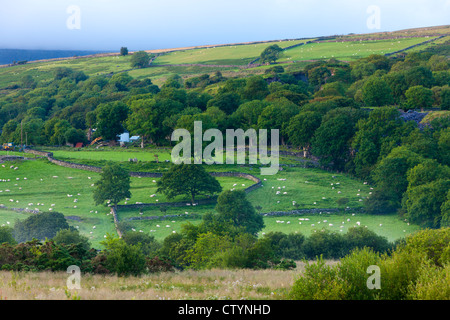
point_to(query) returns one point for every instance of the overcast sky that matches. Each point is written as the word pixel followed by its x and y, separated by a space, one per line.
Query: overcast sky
pixel 153 24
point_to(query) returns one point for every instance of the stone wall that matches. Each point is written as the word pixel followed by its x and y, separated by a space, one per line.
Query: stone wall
pixel 309 211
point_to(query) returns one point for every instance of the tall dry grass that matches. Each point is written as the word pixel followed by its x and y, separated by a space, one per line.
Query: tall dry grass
pixel 189 284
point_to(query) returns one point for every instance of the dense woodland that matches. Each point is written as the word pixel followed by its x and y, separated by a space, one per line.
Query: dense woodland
pixel 351 116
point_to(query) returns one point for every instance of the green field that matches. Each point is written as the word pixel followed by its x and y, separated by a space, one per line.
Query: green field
pixel 238 55
pixel 112 154
pixel 348 50
pixel 40 185
pixel 225 55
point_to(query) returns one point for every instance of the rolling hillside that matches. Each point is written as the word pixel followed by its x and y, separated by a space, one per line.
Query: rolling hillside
pixel 233 59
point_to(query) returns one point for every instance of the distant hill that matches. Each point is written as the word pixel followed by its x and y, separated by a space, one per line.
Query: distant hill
pixel 7 56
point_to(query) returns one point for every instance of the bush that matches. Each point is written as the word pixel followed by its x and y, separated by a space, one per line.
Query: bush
pixel 159 264
pixel 360 237
pixel 122 258
pixel 398 271
pixel 418 268
pixel 324 243
pixel 69 236
pixel 318 282
pixel 432 284
pixel 40 226
pixel 6 235
pixel 353 272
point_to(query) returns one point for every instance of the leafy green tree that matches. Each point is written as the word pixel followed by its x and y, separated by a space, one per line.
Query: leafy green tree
pixel 6 235
pixel 419 76
pixel 123 51
pixel 119 82
pixel 277 116
pixel 319 282
pixel 375 137
pixel 122 258
pixel 188 179
pixel 330 245
pixel 444 146
pixel 270 54
pixel 390 175
pixel 246 116
pixel 174 81
pixel 335 88
pixel 207 246
pixel 302 128
pixel 332 140
pixel 226 101
pixel 319 75
pixel 140 121
pixel 423 203
pixel 360 237
pixel 352 270
pixel 362 69
pixel 445 210
pixel 422 142
pixel 71 236
pixel 110 119
pixel 147 243
pixel 74 136
pixel 445 98
pixel 419 97
pixel 234 206
pixel 40 226
pixel 397 82
pixel 31 131
pixel 113 186
pixel 140 59
pixel 255 89
pixel 150 117
pixel 426 172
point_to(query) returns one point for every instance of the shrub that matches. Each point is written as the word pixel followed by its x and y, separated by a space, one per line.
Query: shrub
pixel 353 272
pixel 40 226
pixel 398 271
pixel 122 258
pixel 360 237
pixel 324 243
pixel 6 235
pixel 432 284
pixel 318 282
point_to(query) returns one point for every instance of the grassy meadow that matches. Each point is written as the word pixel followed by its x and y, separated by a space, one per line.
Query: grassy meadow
pixel 40 185
pixel 348 50
pixel 225 55
pixel 238 55
pixel 185 285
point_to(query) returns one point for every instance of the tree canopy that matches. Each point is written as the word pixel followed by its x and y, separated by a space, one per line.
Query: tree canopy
pixel 188 179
